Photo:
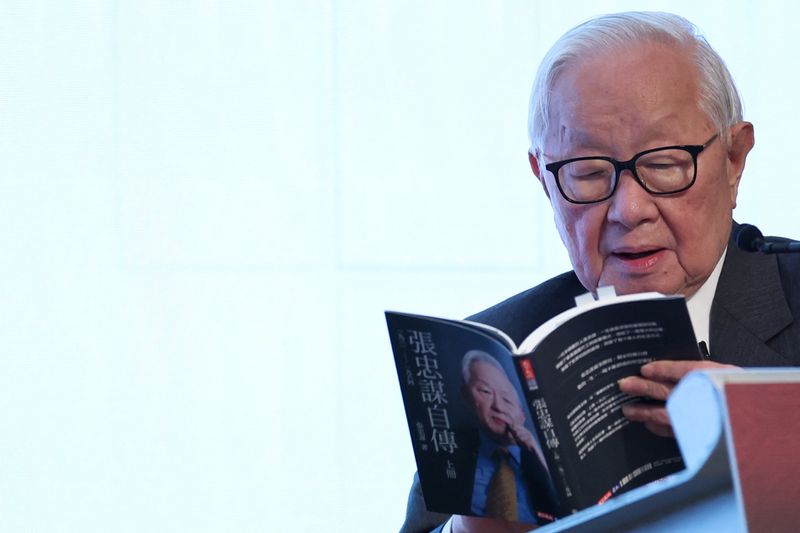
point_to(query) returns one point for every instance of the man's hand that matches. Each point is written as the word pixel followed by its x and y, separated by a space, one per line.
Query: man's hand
pixel 474 524
pixel 520 435
pixel 656 382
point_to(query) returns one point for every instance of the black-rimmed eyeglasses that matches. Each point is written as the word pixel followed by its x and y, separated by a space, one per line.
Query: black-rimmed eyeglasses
pixel 665 170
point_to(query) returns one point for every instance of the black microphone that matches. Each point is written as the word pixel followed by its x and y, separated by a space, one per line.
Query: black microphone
pixel 750 239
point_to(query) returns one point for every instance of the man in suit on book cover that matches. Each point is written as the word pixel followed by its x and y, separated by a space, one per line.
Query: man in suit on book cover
pixel 510 480
pixel 638 140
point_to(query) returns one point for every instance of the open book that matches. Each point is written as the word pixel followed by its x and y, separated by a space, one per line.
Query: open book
pixel 469 391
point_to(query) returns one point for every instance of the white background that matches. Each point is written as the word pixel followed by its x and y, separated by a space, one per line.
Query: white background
pixel 207 205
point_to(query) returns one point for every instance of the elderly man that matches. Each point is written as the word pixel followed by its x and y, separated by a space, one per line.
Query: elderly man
pixel 510 478
pixel 638 141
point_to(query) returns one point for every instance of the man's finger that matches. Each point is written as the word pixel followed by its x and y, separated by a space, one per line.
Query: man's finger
pixel 653 414
pixel 675 370
pixel 636 386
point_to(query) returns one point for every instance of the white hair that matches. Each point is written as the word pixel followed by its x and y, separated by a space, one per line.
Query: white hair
pixel 477 356
pixel 718 97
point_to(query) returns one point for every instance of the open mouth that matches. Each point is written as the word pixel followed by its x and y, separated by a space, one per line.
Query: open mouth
pixel 637 255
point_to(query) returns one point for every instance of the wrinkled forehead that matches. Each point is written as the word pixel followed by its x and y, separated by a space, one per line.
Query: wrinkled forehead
pixel 623 63
pixel 651 88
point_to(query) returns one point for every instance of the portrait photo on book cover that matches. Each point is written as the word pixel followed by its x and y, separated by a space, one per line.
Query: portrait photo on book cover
pixel 474 438
pixel 510 478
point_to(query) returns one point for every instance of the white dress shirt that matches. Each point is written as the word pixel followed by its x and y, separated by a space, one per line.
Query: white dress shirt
pixel 699 304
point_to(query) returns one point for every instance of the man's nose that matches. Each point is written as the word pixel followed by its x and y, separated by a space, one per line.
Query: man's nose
pixel 495 402
pixel 631 204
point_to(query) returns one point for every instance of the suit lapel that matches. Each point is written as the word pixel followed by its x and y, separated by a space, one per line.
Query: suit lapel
pixel 748 310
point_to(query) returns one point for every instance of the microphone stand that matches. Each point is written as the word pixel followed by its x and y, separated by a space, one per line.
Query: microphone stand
pixel 750 239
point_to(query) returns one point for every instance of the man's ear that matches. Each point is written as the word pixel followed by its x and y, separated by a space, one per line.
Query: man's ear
pixel 741 142
pixel 538 171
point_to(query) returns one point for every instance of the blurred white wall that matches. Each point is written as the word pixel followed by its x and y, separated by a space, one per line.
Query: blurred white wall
pixel 206 206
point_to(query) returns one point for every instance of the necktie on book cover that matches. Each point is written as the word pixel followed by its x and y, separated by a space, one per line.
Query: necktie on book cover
pixel 501 495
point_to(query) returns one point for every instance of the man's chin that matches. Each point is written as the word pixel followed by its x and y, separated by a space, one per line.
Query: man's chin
pixel 636 284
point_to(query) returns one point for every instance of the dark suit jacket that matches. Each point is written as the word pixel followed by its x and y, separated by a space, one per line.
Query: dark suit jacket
pixel 755 321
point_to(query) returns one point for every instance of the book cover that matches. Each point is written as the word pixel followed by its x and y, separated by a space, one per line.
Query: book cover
pixel 552 407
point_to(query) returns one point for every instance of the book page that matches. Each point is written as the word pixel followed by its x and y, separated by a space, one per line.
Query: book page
pixel 577 368
pixel 532 340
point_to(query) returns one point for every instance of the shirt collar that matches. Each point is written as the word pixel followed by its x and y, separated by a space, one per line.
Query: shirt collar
pixel 699 304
